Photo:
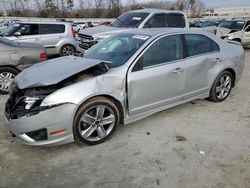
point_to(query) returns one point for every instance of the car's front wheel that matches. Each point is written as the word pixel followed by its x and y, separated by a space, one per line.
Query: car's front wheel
pixel 7 75
pixel 222 87
pixel 67 50
pixel 95 121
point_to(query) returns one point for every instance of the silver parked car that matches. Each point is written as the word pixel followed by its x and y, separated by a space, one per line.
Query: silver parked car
pixel 57 37
pixel 16 56
pixel 142 18
pixel 122 79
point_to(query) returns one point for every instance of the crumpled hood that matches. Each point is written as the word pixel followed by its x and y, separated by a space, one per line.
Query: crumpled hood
pixel 53 71
pixel 222 32
pixel 103 31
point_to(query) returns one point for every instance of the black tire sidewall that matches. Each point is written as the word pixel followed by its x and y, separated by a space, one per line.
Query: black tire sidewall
pixel 61 50
pixel 93 102
pixel 213 95
pixel 9 70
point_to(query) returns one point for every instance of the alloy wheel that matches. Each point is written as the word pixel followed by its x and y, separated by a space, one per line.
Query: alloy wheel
pixel 68 50
pixel 96 123
pixel 223 87
pixel 5 80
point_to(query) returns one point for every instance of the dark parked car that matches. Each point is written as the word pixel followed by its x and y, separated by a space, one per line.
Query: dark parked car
pixel 16 56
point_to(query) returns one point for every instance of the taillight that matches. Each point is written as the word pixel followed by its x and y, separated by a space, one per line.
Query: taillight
pixel 43 55
pixel 215 31
pixel 73 32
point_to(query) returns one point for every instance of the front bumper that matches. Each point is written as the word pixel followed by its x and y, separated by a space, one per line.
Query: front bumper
pixel 54 119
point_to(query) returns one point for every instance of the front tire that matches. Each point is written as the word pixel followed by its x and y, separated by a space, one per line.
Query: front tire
pixel 95 121
pixel 7 75
pixel 67 50
pixel 222 87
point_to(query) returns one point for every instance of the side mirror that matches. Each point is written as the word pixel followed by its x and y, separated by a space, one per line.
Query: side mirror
pixel 17 34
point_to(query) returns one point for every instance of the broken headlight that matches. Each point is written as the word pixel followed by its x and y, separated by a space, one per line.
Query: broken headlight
pixel 33 102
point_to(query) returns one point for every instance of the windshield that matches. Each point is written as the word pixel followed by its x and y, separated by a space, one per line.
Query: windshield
pixel 235 25
pixel 130 19
pixel 116 49
pixel 10 30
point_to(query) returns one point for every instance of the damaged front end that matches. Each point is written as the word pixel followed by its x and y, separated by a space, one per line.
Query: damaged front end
pixel 26 101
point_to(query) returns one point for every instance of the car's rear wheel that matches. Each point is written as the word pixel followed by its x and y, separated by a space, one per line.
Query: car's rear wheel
pixel 222 87
pixel 67 50
pixel 95 121
pixel 7 75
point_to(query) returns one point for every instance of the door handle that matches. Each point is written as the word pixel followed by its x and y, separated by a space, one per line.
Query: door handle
pixel 177 70
pixel 217 60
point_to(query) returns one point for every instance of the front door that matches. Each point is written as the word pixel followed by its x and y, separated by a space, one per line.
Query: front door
pixel 28 33
pixel 161 79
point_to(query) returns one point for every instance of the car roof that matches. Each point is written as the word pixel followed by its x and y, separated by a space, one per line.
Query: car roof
pixel 160 31
pixel 44 22
pixel 152 10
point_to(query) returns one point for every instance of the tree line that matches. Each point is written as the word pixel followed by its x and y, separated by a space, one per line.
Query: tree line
pixel 93 8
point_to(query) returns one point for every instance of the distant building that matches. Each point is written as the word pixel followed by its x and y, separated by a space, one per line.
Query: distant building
pixel 229 12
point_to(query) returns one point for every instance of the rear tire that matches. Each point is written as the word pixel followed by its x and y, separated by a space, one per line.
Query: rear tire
pixel 7 75
pixel 95 121
pixel 67 50
pixel 222 87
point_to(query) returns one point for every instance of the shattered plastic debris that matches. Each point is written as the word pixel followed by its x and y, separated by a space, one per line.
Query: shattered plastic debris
pixel 202 152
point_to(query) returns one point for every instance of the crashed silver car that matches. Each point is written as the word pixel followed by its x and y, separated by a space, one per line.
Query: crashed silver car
pixel 124 78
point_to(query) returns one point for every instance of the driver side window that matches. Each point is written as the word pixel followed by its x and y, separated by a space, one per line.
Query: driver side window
pixel 29 29
pixel 165 50
pixel 158 20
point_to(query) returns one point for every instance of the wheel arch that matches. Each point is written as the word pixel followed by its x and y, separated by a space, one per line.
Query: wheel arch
pixel 10 66
pixel 233 74
pixel 113 99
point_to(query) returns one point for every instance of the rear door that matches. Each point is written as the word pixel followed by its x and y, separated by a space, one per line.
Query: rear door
pixel 158 77
pixel 5 51
pixel 51 34
pixel 203 54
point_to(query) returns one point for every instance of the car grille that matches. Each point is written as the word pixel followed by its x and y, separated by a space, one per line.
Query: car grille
pixel 85 41
pixel 85 36
pixel 15 106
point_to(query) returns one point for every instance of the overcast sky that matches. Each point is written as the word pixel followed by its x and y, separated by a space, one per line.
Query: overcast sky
pixel 221 3
pixel 227 3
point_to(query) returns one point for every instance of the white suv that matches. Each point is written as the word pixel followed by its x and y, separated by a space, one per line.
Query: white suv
pixel 56 37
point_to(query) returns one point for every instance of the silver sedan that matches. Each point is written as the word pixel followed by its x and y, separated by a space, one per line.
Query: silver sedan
pixel 120 80
pixel 16 56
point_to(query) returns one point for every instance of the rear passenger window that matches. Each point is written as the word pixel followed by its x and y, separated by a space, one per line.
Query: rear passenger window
pixel 175 20
pixel 200 44
pixel 51 29
pixel 164 50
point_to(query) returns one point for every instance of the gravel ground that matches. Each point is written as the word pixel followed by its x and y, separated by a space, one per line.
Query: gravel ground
pixel 195 145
